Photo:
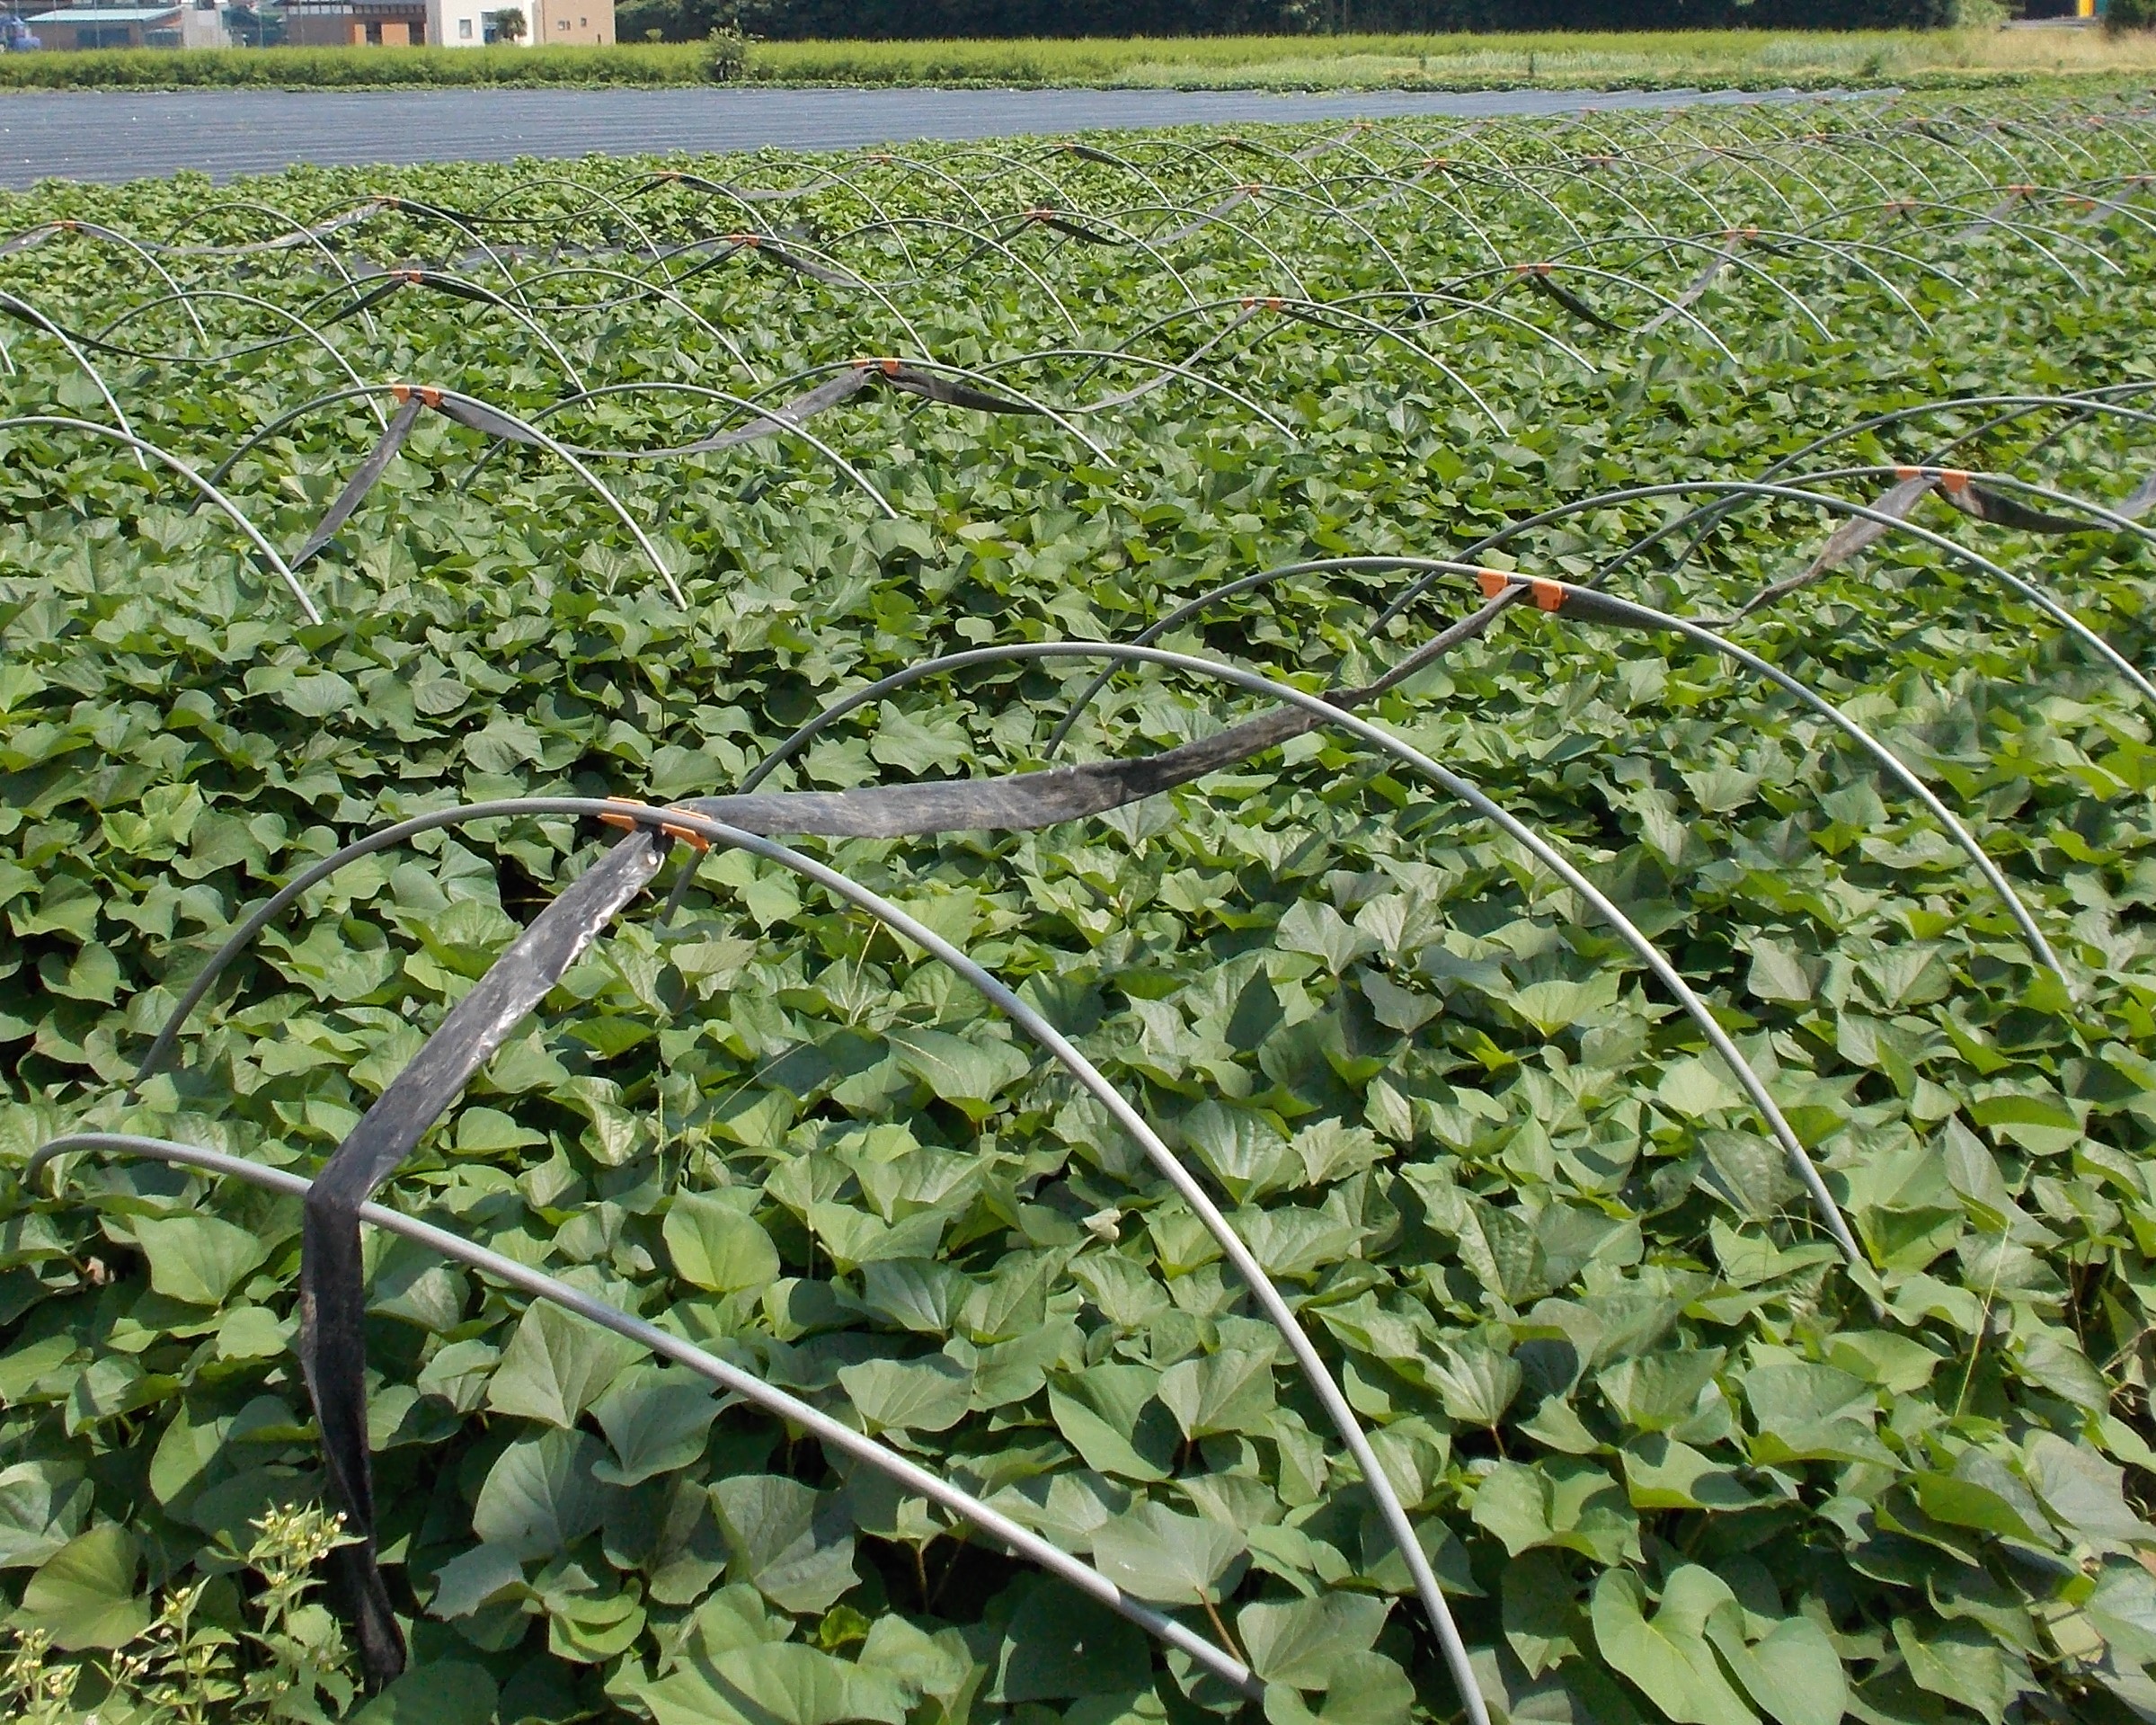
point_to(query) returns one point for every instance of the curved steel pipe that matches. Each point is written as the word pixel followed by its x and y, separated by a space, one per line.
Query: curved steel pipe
pixel 2024 589
pixel 193 478
pixel 1648 953
pixel 727 1377
pixel 678 821
pixel 1641 616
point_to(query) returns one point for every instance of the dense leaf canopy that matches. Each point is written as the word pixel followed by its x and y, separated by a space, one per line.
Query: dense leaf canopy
pixel 1671 1457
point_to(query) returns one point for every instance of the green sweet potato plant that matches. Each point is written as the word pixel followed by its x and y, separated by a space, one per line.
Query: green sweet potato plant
pixel 1672 1458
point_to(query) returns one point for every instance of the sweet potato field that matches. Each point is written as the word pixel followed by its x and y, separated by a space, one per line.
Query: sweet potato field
pixel 1351 923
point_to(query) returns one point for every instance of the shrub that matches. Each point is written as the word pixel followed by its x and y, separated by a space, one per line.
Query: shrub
pixel 729 55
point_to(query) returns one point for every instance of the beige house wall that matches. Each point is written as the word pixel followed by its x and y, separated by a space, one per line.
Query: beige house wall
pixel 573 22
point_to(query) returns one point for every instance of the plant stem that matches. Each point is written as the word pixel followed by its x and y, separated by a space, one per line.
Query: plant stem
pixel 1220 1630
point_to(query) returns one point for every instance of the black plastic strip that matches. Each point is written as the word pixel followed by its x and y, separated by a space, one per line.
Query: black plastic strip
pixel 478 417
pixel 1981 502
pixel 786 417
pixel 333 1292
pixel 951 394
pixel 1572 302
pixel 1015 803
pixel 1844 542
pixel 362 482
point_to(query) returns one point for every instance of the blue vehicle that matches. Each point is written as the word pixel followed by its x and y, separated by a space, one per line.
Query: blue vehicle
pixel 15 37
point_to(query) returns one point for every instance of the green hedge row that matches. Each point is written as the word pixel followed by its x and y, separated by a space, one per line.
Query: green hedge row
pixel 641 62
pixel 915 20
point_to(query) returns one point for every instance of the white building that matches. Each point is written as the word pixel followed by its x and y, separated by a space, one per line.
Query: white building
pixel 466 23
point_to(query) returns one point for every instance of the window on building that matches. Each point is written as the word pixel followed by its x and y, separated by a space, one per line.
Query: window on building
pixel 564 25
pixel 464 30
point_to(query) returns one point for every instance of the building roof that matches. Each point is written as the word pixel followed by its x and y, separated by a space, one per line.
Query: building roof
pixel 104 16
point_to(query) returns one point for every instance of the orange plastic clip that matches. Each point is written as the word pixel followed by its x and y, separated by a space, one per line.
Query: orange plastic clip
pixel 1491 582
pixel 688 836
pixel 1953 481
pixel 404 392
pixel 1548 595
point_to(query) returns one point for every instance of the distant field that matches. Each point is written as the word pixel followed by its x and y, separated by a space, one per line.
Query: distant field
pixel 1748 59
pixel 1767 58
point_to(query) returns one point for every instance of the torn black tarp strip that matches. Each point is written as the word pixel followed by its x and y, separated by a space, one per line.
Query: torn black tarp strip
pixel 362 482
pixel 1571 301
pixel 831 391
pixel 2139 503
pixel 786 417
pixel 333 1293
pixel 803 266
pixel 1013 803
pixel 926 383
pixel 457 285
pixel 1699 284
pixel 1981 502
pixel 743 194
pixel 477 416
pixel 1844 542
pixel 1074 229
pixel 372 298
pixel 1220 209
pixel 282 242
